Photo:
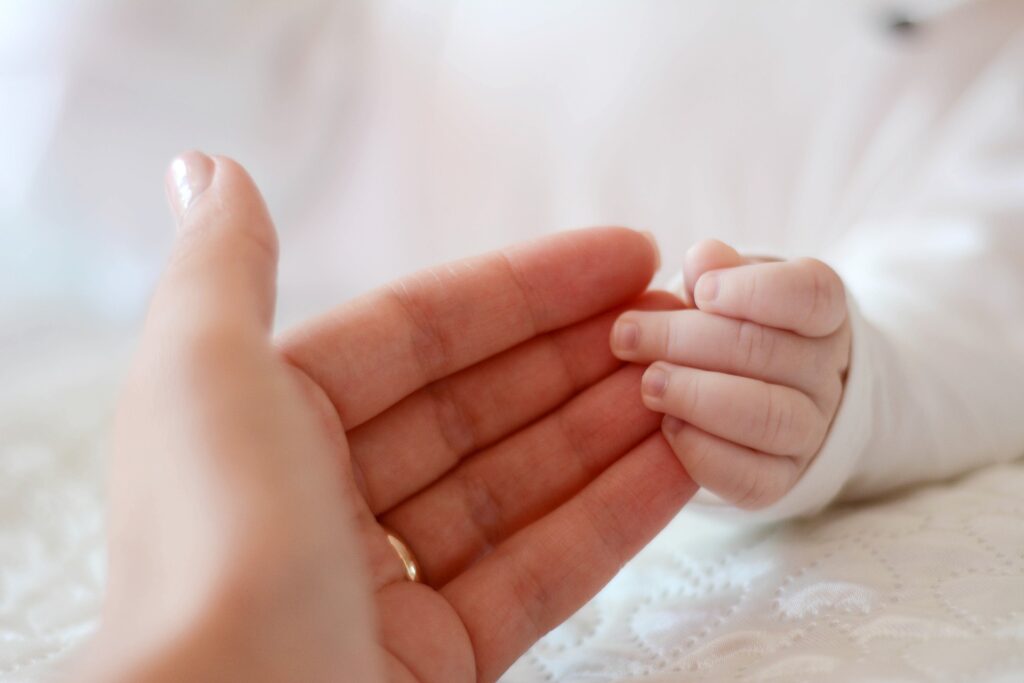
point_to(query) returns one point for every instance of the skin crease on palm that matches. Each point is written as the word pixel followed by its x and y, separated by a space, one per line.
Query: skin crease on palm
pixel 475 409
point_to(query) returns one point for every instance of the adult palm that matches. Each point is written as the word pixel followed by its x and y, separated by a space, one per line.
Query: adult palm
pixel 473 410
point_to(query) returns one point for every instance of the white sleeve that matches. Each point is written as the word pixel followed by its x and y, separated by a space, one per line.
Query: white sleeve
pixel 936 381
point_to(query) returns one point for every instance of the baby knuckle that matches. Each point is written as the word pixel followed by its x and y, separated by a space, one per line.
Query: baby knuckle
pixel 811 434
pixel 690 394
pixel 747 490
pixel 754 491
pixel 776 419
pixel 826 306
pixel 749 292
pixel 831 394
pixel 770 483
pixel 671 337
pixel 755 346
pixel 694 453
pixel 822 361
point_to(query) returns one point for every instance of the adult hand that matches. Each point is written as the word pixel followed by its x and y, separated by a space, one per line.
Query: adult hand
pixel 475 410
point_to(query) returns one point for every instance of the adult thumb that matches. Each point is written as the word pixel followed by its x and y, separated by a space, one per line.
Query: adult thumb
pixel 223 270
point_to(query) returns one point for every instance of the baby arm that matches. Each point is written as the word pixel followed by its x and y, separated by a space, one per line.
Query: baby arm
pixel 751 377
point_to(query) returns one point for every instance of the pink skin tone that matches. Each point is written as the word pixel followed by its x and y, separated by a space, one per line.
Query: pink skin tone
pixel 751 377
pixel 474 409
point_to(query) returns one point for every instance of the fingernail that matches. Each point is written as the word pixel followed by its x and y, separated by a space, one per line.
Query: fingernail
pixel 671 425
pixel 706 289
pixel 188 176
pixel 654 243
pixel 655 382
pixel 626 336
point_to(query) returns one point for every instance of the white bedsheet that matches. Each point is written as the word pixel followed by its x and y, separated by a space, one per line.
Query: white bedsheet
pixel 923 586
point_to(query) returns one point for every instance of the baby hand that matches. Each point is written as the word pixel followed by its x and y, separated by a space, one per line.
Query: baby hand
pixel 750 379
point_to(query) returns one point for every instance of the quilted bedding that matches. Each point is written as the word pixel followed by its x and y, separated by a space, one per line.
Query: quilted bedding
pixel 927 585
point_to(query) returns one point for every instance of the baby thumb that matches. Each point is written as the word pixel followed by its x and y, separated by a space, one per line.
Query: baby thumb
pixel 224 267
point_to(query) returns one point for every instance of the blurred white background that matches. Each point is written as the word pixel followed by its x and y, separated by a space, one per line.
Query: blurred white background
pixel 392 134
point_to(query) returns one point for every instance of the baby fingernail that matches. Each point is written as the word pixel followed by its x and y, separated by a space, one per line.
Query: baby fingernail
pixel 671 425
pixel 188 177
pixel 655 382
pixel 707 288
pixel 626 336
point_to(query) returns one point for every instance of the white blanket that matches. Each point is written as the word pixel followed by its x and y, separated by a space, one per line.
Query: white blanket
pixel 927 585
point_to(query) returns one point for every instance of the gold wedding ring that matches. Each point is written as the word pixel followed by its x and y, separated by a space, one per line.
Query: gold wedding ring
pixel 412 569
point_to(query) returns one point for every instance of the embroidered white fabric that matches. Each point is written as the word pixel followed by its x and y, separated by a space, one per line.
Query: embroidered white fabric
pixel 927 585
